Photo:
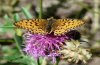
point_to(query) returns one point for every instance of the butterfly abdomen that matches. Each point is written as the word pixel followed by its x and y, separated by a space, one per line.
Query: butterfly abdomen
pixel 49 24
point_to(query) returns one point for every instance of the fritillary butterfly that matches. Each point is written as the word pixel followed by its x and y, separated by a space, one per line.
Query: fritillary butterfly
pixel 47 26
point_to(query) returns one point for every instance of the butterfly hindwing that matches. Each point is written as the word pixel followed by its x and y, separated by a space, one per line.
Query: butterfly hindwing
pixel 62 26
pixel 36 26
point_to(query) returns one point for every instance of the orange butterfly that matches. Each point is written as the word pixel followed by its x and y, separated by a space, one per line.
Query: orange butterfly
pixel 46 26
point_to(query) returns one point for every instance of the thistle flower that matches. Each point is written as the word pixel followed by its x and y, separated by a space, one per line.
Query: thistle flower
pixel 43 45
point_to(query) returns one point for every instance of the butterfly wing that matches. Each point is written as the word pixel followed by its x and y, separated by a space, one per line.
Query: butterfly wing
pixel 36 26
pixel 61 26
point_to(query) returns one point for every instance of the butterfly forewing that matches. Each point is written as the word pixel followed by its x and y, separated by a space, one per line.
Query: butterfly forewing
pixel 58 26
pixel 36 26
pixel 62 26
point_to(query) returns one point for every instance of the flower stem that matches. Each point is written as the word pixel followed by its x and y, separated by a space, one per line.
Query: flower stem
pixel 40 16
pixel 57 61
pixel 38 62
pixel 7 27
pixel 16 38
pixel 41 9
pixel 95 24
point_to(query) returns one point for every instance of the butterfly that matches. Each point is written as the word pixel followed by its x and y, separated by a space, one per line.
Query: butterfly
pixel 47 26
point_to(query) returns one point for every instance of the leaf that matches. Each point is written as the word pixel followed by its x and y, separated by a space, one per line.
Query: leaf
pixel 8 26
pixel 26 13
pixel 18 37
pixel 26 60
pixel 16 17
pixel 12 57
pixel 8 21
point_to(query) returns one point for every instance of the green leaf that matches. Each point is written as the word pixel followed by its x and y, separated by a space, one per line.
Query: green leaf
pixel 26 60
pixel 16 17
pixel 8 22
pixel 18 37
pixel 8 26
pixel 7 18
pixel 26 13
pixel 12 57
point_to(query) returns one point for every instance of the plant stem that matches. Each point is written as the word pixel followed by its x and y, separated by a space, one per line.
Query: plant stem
pixel 41 8
pixel 17 44
pixel 18 39
pixel 57 61
pixel 40 16
pixel 7 27
pixel 95 25
pixel 38 61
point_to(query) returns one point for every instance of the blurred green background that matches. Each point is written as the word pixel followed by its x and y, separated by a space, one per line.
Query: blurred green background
pixel 78 9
